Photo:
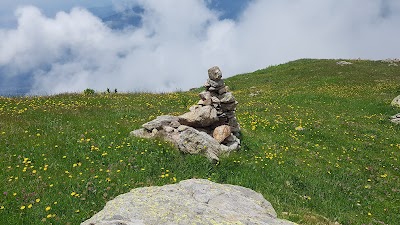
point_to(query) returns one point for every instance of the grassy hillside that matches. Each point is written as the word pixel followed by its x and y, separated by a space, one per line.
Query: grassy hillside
pixel 317 144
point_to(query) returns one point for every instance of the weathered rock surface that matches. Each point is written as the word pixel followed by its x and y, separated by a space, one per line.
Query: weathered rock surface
pixel 160 121
pixel 200 117
pixel 396 101
pixel 193 141
pixel 194 201
pixel 395 119
pixel 214 73
pixel 209 128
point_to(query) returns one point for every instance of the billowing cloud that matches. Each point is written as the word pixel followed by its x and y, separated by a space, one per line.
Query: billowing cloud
pixel 178 41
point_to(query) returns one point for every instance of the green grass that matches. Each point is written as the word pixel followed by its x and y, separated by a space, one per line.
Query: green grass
pixel 63 157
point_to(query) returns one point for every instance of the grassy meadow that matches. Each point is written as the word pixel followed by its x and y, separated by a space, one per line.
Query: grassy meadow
pixel 316 142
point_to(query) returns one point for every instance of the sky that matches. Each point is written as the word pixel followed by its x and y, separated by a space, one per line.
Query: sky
pixel 60 46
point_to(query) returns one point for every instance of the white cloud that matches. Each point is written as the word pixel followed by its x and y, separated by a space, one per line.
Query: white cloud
pixel 179 40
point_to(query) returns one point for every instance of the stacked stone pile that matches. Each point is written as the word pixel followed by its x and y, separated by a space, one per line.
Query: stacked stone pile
pixel 217 99
pixel 223 100
pixel 210 127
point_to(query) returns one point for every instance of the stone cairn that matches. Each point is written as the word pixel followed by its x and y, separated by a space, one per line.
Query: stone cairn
pixel 209 128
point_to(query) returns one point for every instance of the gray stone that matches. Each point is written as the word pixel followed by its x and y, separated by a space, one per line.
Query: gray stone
pixel 213 89
pixel 193 141
pixel 227 98
pixel 205 102
pixel 194 201
pixel 396 101
pixel 142 133
pixel 233 123
pixel 232 145
pixel 194 107
pixel 395 119
pixel 175 124
pixel 205 95
pixel 160 121
pixel 182 128
pixel 229 106
pixel 222 120
pixel 215 84
pixel 232 139
pixel 207 85
pixel 168 129
pixel 230 114
pixel 215 100
pixel 200 117
pixel 214 73
pixel 223 90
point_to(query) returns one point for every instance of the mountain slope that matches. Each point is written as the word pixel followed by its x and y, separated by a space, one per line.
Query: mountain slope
pixel 317 143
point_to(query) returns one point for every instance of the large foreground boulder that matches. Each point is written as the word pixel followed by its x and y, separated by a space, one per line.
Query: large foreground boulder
pixel 194 201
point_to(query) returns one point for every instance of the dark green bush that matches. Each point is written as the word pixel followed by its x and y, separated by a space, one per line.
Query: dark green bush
pixel 88 91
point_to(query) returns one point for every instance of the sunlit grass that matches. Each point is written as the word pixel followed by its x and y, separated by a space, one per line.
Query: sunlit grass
pixel 316 141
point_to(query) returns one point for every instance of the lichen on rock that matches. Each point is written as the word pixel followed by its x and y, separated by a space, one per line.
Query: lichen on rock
pixel 194 201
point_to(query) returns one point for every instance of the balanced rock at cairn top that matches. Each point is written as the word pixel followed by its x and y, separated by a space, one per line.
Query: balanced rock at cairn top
pixel 209 128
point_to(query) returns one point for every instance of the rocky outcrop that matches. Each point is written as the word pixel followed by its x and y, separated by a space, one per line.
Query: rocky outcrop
pixel 209 128
pixel 194 201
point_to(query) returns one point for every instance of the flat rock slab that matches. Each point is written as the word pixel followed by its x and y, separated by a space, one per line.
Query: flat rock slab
pixel 194 201
pixel 395 119
pixel 199 117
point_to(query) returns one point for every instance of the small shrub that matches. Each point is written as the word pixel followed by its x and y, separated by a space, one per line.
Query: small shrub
pixel 88 91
